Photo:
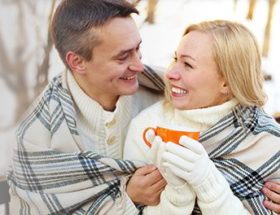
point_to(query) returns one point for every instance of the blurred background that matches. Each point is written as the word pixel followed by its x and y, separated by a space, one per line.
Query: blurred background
pixel 28 60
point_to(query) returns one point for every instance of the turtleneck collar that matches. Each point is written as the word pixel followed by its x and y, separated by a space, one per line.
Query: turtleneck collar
pixel 202 119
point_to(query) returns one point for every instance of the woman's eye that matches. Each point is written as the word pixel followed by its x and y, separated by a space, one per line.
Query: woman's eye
pixel 175 59
pixel 188 65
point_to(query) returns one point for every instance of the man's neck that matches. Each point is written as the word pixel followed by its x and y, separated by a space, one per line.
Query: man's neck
pixel 107 101
pixel 107 104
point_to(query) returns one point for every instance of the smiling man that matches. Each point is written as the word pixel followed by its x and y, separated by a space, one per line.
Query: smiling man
pixel 112 71
pixel 70 144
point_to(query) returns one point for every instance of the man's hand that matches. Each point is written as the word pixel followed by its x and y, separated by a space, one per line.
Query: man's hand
pixel 272 191
pixel 146 185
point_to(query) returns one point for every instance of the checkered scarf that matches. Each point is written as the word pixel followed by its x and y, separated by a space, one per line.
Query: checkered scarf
pixel 53 182
pixel 244 126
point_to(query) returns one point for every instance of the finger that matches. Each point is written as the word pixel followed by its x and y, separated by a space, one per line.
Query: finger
pixel 155 146
pixel 181 152
pixel 172 178
pixel 191 144
pixel 272 206
pixel 156 196
pixel 273 196
pixel 168 172
pixel 158 139
pixel 273 186
pixel 153 177
pixel 145 170
pixel 160 190
pixel 159 185
pixel 156 150
pixel 150 135
pixel 168 157
pixel 176 171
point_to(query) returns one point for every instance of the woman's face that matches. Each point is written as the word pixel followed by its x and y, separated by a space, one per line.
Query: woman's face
pixel 193 78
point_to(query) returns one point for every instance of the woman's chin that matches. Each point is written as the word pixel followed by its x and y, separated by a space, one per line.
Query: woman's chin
pixel 179 105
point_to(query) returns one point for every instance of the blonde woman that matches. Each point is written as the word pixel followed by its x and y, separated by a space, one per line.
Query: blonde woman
pixel 214 86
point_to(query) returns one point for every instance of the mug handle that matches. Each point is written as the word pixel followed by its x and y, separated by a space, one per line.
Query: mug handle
pixel 144 136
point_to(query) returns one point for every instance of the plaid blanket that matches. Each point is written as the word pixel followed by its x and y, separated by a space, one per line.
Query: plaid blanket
pixel 47 181
pixel 247 129
pixel 51 182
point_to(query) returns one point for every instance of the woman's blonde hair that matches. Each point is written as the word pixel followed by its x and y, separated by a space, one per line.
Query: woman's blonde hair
pixel 238 59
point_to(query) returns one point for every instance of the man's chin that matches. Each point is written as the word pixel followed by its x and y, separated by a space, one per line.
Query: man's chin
pixel 131 91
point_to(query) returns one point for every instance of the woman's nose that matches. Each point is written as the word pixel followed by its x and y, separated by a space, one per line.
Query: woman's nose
pixel 173 73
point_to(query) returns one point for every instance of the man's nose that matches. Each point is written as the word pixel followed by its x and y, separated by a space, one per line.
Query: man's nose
pixel 136 64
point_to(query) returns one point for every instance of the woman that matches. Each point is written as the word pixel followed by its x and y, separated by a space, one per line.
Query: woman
pixel 214 86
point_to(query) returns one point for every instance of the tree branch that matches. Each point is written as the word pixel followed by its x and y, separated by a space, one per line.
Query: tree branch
pixel 43 68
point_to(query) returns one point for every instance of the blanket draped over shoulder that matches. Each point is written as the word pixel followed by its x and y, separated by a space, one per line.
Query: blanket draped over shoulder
pixel 52 182
pixel 247 130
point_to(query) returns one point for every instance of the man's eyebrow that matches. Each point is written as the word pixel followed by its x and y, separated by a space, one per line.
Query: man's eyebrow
pixel 120 53
pixel 186 56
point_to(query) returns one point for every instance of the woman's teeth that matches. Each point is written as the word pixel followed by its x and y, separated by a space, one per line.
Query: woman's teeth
pixel 178 90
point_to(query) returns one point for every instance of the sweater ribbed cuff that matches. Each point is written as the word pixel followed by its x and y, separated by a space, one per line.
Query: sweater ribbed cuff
pixel 129 207
pixel 213 187
pixel 125 205
pixel 179 195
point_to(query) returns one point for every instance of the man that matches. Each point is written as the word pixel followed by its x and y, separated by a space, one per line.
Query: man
pixel 70 144
pixel 87 108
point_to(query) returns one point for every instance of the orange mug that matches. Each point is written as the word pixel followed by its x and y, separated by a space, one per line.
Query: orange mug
pixel 167 134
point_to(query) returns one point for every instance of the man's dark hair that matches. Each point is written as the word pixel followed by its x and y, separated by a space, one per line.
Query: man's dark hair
pixel 71 26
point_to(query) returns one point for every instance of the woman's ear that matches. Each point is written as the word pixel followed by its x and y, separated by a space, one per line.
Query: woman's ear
pixel 225 88
pixel 76 63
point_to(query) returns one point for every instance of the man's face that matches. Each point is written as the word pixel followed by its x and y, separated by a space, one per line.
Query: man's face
pixel 115 63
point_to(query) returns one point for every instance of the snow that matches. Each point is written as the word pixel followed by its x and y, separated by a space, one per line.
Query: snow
pixel 172 16
pixel 159 43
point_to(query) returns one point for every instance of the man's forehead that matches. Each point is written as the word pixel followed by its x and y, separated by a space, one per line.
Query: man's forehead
pixel 129 49
pixel 119 26
pixel 126 35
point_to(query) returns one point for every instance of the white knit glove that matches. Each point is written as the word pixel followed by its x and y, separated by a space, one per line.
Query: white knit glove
pixel 157 147
pixel 178 197
pixel 189 161
pixel 155 156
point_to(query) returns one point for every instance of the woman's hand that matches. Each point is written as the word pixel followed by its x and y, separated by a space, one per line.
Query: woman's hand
pixel 189 161
pixel 158 147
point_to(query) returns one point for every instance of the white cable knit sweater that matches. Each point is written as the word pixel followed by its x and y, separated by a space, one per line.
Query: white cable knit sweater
pixel 215 195
pixel 97 126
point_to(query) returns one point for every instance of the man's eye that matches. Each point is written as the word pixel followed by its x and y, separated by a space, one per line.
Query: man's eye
pixel 175 59
pixel 122 58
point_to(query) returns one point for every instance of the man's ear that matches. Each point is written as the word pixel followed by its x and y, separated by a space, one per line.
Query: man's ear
pixel 76 63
